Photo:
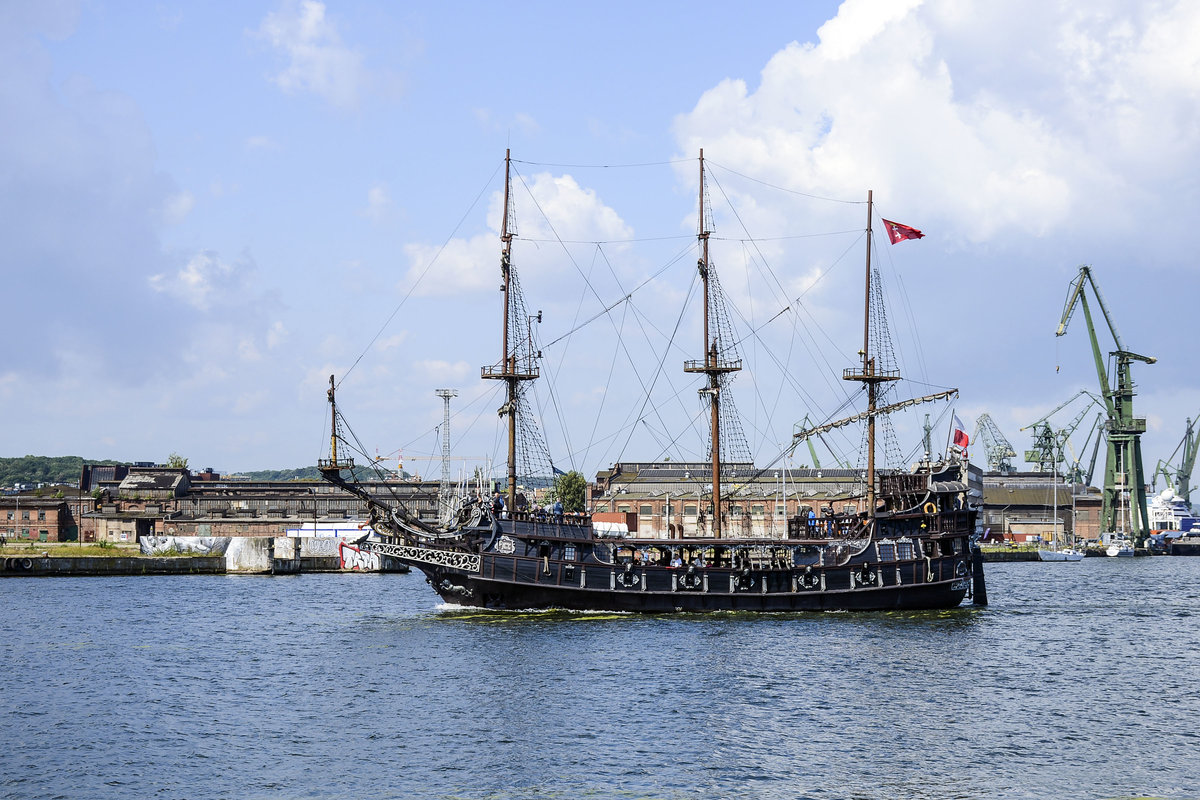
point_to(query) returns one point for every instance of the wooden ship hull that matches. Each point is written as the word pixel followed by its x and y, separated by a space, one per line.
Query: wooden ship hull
pixel 912 558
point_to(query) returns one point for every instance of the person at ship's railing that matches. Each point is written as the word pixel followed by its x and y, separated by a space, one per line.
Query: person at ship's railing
pixel 498 505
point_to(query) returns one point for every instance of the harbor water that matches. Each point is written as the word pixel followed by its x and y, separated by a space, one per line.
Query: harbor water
pixel 1079 681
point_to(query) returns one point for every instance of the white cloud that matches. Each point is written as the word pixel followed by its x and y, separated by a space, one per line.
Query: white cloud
pixel 277 335
pixel 1042 137
pixel 318 61
pixel 554 208
pixel 379 203
pixel 198 282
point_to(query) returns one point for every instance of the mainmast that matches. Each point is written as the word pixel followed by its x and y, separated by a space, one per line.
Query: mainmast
pixel 712 366
pixel 508 370
pixel 868 374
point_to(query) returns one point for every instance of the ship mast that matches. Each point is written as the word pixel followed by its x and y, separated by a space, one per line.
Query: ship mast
pixel 712 366
pixel 868 374
pixel 508 370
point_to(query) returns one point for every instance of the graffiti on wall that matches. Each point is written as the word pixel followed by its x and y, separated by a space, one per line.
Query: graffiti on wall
pixel 350 557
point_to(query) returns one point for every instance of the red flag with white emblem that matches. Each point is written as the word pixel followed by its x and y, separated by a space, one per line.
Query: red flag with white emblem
pixel 898 233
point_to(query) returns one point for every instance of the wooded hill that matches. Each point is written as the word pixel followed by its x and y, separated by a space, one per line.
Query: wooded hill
pixel 44 469
pixel 66 469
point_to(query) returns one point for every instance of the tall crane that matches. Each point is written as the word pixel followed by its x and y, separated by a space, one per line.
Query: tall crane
pixel 812 451
pixel 998 451
pixel 1123 473
pixel 1076 472
pixel 1048 442
pixel 1180 477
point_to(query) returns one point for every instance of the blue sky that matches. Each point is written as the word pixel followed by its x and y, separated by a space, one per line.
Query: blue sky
pixel 210 207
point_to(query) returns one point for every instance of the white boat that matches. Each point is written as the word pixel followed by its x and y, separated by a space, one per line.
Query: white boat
pixel 1066 554
pixel 1120 548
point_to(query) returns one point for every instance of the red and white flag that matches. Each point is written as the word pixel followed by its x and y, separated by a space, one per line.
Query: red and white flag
pixel 898 233
pixel 960 435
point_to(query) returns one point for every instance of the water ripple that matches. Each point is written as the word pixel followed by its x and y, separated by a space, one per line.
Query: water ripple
pixel 1076 682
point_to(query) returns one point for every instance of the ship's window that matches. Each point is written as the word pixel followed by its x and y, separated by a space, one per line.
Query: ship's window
pixel 904 551
pixel 689 511
pixel 887 551
pixel 645 511
pixel 569 552
pixel 756 510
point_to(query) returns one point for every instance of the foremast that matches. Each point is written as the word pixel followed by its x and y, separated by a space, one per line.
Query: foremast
pixel 713 366
pixel 508 370
pixel 867 373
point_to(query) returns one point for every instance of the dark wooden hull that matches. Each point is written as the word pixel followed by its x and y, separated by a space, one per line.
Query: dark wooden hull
pixel 506 582
pixel 916 557
pixel 502 595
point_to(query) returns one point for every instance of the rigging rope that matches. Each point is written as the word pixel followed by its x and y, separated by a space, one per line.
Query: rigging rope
pixel 420 278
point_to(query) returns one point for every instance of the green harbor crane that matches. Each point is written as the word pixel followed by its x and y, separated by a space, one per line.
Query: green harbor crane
pixel 1123 509
pixel 997 450
pixel 1048 442
pixel 1077 473
pixel 812 451
pixel 1179 477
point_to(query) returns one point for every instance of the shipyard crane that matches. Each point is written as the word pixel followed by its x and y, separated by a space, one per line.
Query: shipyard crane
pixel 812 451
pixel 998 451
pixel 1179 477
pixel 1077 474
pixel 1123 473
pixel 1048 442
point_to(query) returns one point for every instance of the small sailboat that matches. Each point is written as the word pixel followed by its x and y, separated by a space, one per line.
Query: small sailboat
pixel 1055 553
pixel 1120 548
pixel 1119 544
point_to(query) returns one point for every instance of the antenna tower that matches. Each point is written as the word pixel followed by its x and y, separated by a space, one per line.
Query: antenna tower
pixel 445 502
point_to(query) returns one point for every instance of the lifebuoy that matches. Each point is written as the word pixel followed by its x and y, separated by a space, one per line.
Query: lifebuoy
pixel 930 508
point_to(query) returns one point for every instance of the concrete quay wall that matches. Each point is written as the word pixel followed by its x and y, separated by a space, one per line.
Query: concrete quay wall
pixel 14 566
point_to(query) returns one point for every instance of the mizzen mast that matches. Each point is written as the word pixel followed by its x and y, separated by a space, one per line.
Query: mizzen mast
pixel 508 370
pixel 868 374
pixel 712 365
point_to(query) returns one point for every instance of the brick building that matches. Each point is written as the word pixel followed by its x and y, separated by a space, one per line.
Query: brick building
pixel 162 501
pixel 1027 507
pixel 29 518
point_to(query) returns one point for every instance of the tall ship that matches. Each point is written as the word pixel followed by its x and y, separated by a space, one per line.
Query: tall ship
pixel 908 544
